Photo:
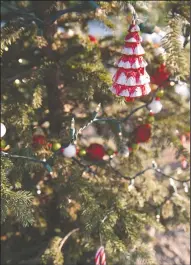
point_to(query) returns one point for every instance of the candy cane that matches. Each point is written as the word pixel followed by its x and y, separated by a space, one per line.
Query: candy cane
pixel 100 258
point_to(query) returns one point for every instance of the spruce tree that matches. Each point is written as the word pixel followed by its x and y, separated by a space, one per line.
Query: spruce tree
pixel 58 208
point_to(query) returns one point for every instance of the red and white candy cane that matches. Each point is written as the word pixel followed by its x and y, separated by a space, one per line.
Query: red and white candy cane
pixel 100 258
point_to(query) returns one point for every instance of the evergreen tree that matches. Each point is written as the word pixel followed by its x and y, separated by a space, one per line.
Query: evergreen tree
pixel 58 208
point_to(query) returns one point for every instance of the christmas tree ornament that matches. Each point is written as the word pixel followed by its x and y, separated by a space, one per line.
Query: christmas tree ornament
pixel 124 151
pixel 110 152
pixel 160 93
pixel 182 89
pixel 157 37
pixel 159 51
pixel 38 140
pixel 131 79
pixel 82 152
pixel 151 117
pixel 3 144
pixel 147 38
pixel 143 133
pixel 96 152
pixel 160 76
pixel 92 39
pixel 134 147
pixel 69 151
pixel 153 87
pixel 3 130
pixel 56 146
pixel 100 257
pixel 38 137
pixel 155 106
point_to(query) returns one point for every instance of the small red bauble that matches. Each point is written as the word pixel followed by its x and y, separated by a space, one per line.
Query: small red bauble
pixel 160 76
pixel 39 140
pixel 95 152
pixel 128 99
pixel 143 133
pixel 92 39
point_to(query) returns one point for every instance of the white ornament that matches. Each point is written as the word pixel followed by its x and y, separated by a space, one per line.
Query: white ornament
pixel 146 37
pixel 155 106
pixel 157 37
pixel 124 151
pixel 158 51
pixel 3 130
pixel 182 89
pixel 69 151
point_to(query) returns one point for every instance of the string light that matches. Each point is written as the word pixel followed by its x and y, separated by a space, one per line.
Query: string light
pixel 38 192
pixel 73 124
pixel 158 215
pixel 154 164
pixel 172 183
pixel 17 81
pixel 185 185
pixel 98 107
pixel 131 186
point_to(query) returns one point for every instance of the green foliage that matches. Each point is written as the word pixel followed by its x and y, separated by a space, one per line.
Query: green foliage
pixel 9 35
pixel 175 58
pixel 143 254
pixel 52 255
pixel 14 203
pixel 67 76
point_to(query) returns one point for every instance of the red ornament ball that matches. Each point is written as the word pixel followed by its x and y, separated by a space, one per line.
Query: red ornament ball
pixel 129 99
pixel 39 140
pixel 92 39
pixel 143 133
pixel 95 152
pixel 160 76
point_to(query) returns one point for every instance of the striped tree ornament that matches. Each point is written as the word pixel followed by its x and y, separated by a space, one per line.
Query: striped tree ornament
pixel 100 258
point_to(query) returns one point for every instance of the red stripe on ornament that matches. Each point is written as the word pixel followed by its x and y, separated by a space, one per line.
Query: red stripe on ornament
pixel 131 59
pixel 129 73
pixel 134 35
pixel 131 45
pixel 130 89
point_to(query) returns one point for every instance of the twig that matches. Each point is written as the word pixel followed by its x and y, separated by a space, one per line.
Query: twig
pixel 66 238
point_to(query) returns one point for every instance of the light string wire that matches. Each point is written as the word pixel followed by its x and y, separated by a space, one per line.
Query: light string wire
pixel 74 135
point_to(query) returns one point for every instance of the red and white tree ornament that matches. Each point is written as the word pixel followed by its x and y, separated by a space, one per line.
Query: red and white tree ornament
pixel 100 258
pixel 131 79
